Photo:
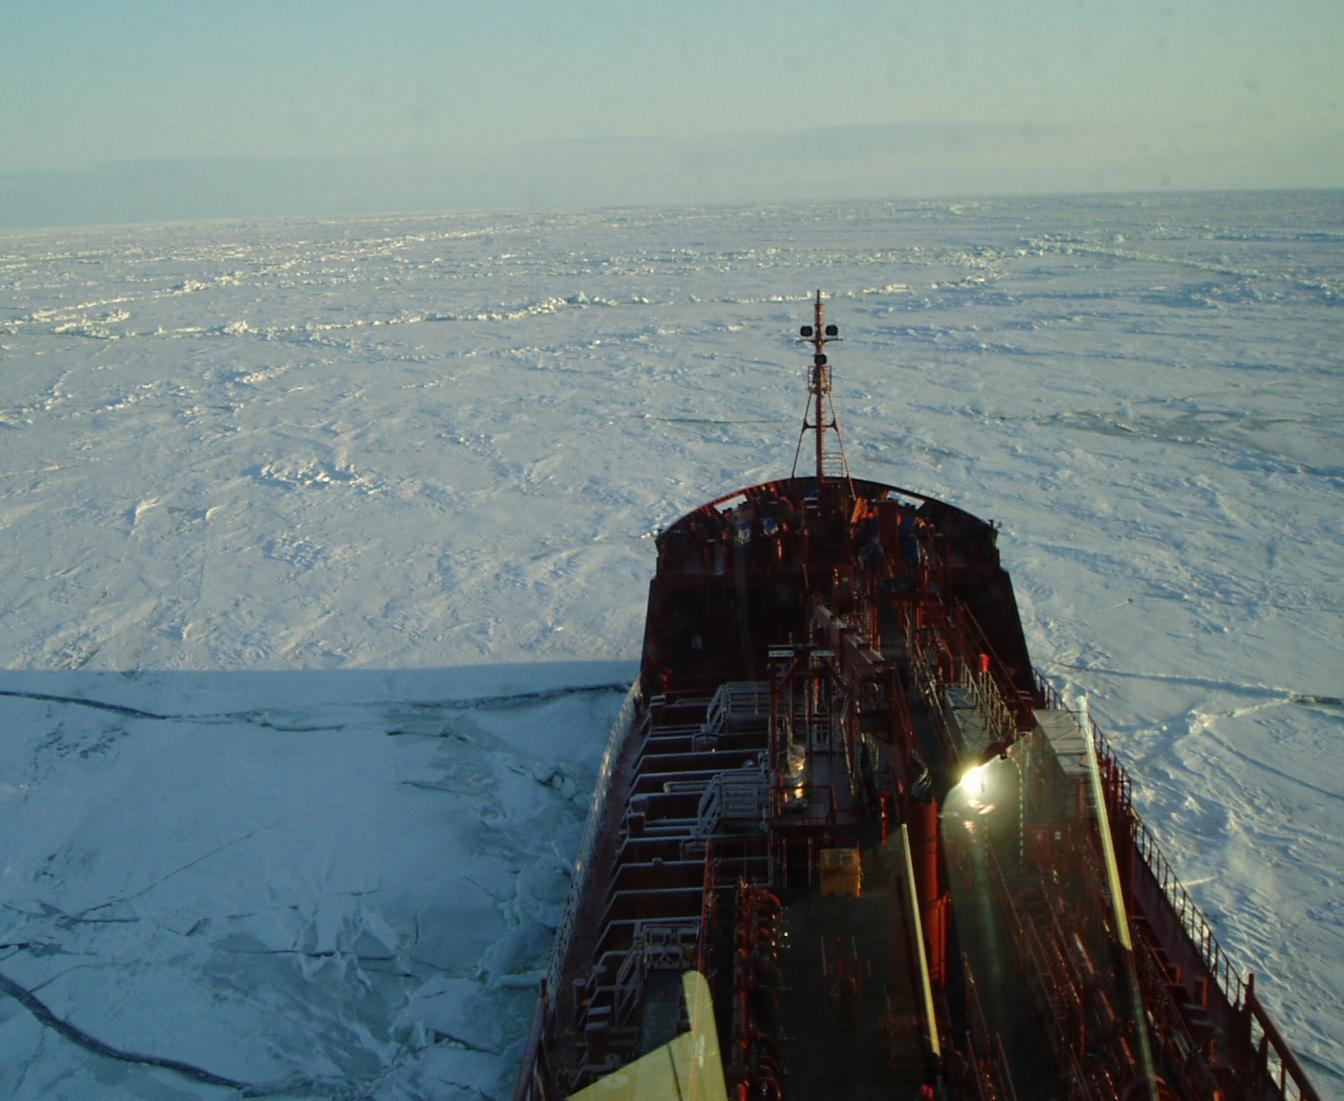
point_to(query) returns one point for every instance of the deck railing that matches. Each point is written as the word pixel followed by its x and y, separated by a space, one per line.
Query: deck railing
pixel 564 934
pixel 1277 1067
pixel 1192 919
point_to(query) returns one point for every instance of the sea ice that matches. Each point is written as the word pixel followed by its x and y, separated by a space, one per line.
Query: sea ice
pixel 326 547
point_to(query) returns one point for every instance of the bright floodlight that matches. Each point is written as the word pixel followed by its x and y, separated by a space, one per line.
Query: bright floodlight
pixel 973 781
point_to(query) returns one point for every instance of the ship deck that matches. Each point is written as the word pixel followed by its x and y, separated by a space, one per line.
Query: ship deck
pixel 846 957
pixel 809 703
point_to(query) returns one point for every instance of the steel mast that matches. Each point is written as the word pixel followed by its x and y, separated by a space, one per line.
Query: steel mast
pixel 820 405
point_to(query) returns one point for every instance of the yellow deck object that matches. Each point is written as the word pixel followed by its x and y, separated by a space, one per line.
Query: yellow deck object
pixel 688 1068
pixel 841 873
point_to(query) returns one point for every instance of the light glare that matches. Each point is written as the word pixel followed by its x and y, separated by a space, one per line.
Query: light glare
pixel 973 781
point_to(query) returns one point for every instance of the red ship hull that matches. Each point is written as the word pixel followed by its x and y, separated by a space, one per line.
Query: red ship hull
pixel 786 809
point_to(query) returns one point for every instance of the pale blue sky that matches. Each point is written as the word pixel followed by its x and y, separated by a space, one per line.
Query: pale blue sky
pixel 471 96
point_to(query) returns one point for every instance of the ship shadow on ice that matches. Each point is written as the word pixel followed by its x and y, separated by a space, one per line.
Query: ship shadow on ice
pixel 316 882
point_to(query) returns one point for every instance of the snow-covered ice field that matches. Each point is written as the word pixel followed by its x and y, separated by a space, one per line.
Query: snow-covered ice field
pixel 325 547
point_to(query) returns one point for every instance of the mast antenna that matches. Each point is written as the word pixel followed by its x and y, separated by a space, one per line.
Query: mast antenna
pixel 832 465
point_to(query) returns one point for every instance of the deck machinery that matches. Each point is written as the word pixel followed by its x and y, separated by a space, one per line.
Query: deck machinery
pixel 847 844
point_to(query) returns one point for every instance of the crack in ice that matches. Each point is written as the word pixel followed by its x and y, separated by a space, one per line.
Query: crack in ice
pixel 77 1035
